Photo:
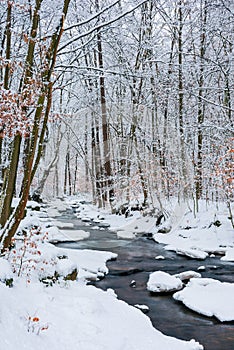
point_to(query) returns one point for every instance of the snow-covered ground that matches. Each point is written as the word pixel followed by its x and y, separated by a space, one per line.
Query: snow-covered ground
pixel 209 232
pixel 73 314
pixel 58 313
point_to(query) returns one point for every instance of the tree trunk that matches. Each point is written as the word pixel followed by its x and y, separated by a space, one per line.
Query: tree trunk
pixel 11 175
pixel 184 177
pixel 200 116
pixel 8 45
pixel 107 189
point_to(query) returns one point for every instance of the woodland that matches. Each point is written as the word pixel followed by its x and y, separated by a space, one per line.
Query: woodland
pixel 131 101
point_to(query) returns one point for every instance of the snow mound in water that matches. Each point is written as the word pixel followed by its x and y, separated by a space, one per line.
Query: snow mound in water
pixel 161 282
pixel 209 297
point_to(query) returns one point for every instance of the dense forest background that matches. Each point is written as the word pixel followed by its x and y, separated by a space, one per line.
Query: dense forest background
pixel 127 100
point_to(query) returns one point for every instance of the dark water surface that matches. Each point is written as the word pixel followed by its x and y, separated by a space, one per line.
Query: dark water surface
pixel 136 259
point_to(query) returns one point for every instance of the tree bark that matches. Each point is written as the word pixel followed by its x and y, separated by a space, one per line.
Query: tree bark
pixel 200 115
pixel 108 191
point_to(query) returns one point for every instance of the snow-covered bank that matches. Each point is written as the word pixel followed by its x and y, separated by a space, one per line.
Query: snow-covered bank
pixel 197 236
pixel 64 314
pixel 125 227
pixel 210 232
pixel 76 316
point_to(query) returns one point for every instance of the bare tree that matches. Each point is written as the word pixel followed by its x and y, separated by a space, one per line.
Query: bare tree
pixel 40 111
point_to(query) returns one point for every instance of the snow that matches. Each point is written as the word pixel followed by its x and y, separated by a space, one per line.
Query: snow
pixel 209 297
pixel 89 261
pixel 5 270
pixel 127 228
pixel 65 267
pixel 56 207
pixel 193 253
pixel 186 275
pixel 143 308
pixel 62 225
pixel 161 282
pixel 192 235
pixel 69 313
pixel 57 235
pixel 85 219
pixel 75 235
pixel 54 234
pixel 159 257
pixel 229 256
pixel 136 224
pixel 75 315
pixel 197 235
pixel 29 221
pixel 201 268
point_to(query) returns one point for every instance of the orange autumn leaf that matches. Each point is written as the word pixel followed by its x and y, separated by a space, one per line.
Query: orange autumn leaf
pixel 35 319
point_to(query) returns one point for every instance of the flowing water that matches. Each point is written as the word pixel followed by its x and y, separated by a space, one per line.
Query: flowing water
pixel 136 259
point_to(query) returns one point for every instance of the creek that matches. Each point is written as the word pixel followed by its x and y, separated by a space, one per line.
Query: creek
pixel 136 259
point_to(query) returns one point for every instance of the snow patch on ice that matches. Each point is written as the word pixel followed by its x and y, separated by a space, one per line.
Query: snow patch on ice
pixel 209 297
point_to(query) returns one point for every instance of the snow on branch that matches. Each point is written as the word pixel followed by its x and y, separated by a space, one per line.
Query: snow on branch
pixel 100 26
